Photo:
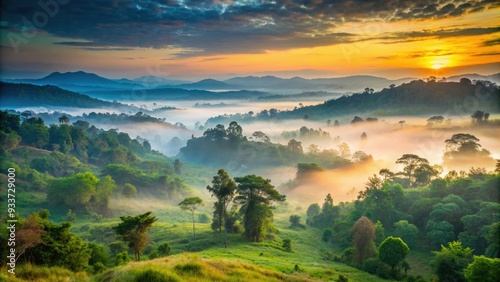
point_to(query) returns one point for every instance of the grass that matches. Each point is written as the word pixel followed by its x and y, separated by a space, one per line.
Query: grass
pixel 189 267
pixel 206 259
pixel 35 273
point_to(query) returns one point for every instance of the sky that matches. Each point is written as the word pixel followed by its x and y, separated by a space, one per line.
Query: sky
pixel 195 39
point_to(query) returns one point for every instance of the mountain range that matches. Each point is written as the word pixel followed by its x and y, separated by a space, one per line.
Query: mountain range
pixel 85 82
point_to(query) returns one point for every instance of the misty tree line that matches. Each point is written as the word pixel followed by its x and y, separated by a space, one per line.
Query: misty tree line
pixel 231 146
pixel 415 98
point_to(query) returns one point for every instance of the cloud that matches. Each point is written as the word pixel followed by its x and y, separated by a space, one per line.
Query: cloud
pixel 224 26
pixel 398 37
pixel 487 54
pixel 492 42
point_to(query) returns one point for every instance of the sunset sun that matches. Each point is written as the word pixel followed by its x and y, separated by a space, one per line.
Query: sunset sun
pixel 439 63
pixel 437 66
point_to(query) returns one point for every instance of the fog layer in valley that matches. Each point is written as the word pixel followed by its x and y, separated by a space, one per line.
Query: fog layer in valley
pixel 387 140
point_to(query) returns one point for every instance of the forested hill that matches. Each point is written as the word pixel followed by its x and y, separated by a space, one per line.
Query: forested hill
pixel 416 97
pixel 26 95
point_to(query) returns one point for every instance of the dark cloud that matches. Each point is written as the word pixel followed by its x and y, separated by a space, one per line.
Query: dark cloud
pixel 398 37
pixel 222 26
pixel 487 54
pixel 492 42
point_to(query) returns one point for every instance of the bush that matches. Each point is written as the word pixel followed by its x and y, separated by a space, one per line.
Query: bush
pixel 192 268
pixel 154 254
pixel 287 245
pixel 342 278
pixel 98 267
pixel 122 259
pixel 203 218
pixel 371 265
pixel 151 275
pixel 384 271
pixel 164 250
pixel 327 234
pixel 117 247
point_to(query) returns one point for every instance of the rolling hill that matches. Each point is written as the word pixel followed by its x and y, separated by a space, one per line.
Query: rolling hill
pixel 28 95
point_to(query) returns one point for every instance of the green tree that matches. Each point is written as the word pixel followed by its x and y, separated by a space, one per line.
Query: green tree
pixel 313 210
pixel 259 136
pixel 439 232
pixel 72 192
pixel 191 204
pixel 327 235
pixel 34 133
pixel 256 195
pixel 483 269
pixel 386 174
pixel 411 162
pixel 224 189
pixel 462 148
pixel 63 119
pixel 164 250
pixel 99 256
pixel 133 230
pixel 295 220
pixel 295 146
pixel 493 240
pixel 363 240
pixel 393 251
pixel 60 246
pixel 450 262
pixel 306 169
pixel 234 131
pixel 100 200
pixel 287 245
pixel 129 190
pixel 406 231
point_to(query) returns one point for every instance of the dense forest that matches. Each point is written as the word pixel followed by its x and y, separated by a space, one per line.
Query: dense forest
pixel 26 95
pixel 70 177
pixel 414 98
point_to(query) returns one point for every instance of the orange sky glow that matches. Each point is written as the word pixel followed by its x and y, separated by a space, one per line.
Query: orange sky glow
pixel 394 49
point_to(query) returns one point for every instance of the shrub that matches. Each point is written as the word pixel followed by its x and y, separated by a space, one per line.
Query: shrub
pixel 287 245
pixel 154 254
pixel 164 250
pixel 342 278
pixel 371 265
pixel 98 267
pixel 190 267
pixel 151 275
pixel 203 218
pixel 122 259
pixel 327 234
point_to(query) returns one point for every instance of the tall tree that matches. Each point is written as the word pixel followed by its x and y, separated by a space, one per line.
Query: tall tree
pixel 191 204
pixel 63 119
pixel 256 195
pixel 133 229
pixel 463 148
pixel 363 240
pixel 223 188
pixel 411 162
pixel 295 146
